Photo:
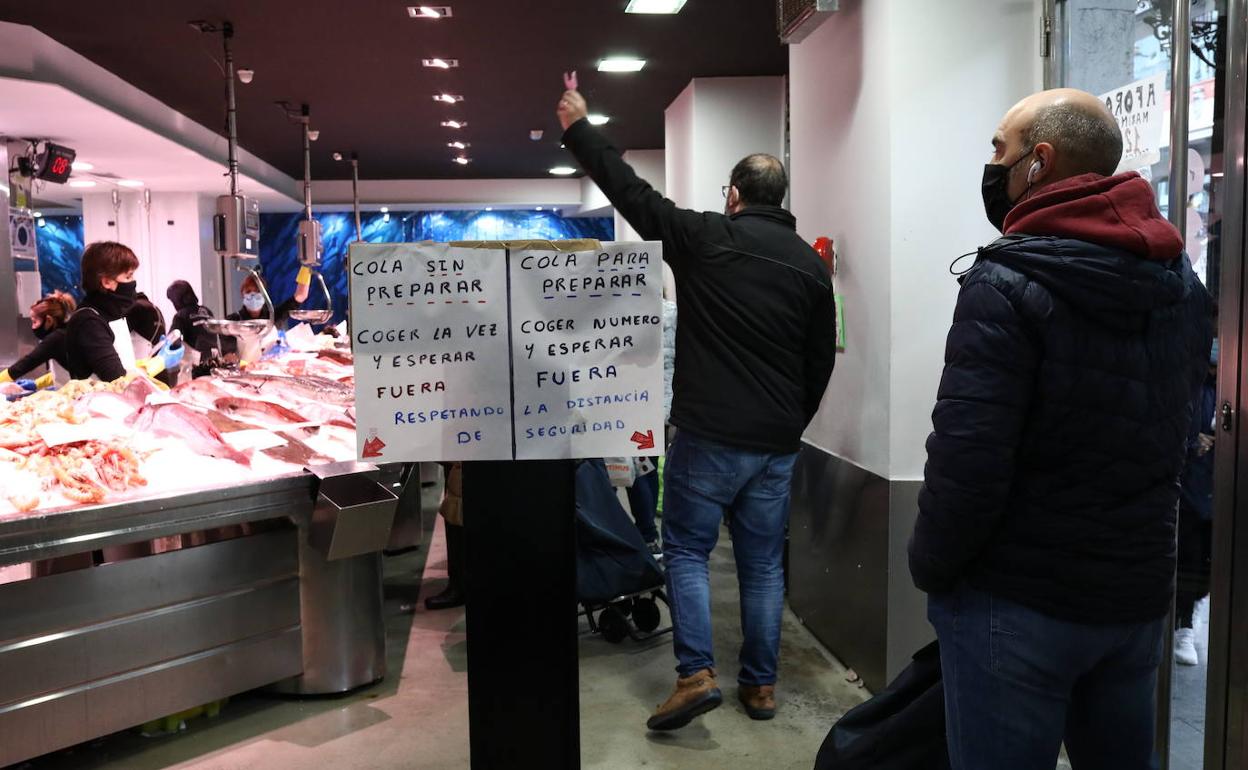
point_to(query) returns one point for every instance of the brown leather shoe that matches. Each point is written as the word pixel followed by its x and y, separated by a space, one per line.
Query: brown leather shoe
pixel 759 702
pixel 694 695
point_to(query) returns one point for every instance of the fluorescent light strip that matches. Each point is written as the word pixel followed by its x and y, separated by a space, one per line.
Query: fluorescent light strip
pixel 441 64
pixel 654 6
pixel 448 98
pixel 453 124
pixel 563 171
pixel 429 11
pixel 598 120
pixel 621 64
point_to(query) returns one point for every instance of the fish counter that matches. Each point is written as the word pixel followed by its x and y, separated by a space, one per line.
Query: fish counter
pixel 162 549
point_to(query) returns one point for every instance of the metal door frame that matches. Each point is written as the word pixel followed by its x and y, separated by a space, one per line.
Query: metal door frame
pixel 1226 721
pixel 1226 740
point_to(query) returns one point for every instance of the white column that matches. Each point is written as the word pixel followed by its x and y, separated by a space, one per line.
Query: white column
pixel 649 165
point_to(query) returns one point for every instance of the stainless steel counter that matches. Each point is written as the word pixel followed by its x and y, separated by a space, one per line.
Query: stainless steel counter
pixel 101 648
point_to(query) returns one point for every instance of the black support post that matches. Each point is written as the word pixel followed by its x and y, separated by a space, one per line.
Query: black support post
pixel 523 701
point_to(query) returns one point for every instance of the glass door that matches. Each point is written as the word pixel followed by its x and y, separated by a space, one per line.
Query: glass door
pixel 1132 53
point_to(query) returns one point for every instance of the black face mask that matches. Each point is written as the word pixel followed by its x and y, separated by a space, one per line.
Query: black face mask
pixel 43 331
pixel 995 188
pixel 118 302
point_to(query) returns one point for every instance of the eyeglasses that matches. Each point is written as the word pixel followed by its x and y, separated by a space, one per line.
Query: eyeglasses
pixel 724 190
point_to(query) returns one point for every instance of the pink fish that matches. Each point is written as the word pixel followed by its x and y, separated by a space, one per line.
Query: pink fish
pixel 178 421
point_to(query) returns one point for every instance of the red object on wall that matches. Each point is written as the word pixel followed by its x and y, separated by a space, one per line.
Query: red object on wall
pixel 826 250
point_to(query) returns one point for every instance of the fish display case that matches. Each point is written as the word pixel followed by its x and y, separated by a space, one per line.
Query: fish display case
pixel 151 578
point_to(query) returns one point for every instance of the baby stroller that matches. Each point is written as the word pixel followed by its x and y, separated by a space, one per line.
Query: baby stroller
pixel 618 583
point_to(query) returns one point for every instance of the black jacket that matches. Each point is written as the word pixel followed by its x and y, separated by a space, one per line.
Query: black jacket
pixel 756 340
pixel 89 341
pixel 50 348
pixel 1060 430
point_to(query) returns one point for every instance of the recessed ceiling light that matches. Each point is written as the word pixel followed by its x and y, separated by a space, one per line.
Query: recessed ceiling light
pixel 459 145
pixel 448 98
pixel 37 214
pixel 598 120
pixel 429 11
pixel 82 183
pixel 563 170
pixel 489 208
pixel 130 183
pixel 621 64
pixel 385 209
pixel 82 165
pixel 539 208
pixel 461 160
pixel 654 6
pixel 453 124
pixel 441 64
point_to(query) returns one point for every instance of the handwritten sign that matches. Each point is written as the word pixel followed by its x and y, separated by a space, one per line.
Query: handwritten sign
pixel 428 328
pixel 587 331
pixel 1140 109
pixel 489 354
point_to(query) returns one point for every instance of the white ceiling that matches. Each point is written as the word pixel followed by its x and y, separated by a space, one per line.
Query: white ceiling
pixel 119 148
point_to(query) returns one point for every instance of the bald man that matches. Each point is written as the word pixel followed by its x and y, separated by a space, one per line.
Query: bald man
pixel 754 350
pixel 1045 537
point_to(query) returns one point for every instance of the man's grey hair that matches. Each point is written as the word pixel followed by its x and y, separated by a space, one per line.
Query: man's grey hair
pixel 1090 141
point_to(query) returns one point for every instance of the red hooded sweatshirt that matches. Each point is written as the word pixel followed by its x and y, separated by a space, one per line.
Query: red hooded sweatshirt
pixel 1118 212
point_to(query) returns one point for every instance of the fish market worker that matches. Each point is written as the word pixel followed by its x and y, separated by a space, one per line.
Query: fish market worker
pixel 97 337
pixel 48 318
pixel 253 303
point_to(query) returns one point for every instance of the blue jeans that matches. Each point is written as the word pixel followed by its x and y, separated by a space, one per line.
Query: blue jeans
pixel 705 481
pixel 1018 682
pixel 643 500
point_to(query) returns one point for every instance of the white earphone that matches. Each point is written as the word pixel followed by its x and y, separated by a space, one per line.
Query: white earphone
pixel 1035 169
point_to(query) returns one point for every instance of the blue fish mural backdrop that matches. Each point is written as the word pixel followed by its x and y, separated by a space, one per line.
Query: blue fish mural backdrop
pixel 279 254
pixel 60 242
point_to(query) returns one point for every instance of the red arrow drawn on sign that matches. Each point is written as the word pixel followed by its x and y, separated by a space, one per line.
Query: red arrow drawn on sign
pixel 643 440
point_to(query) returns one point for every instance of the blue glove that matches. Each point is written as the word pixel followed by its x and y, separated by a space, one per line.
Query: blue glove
pixel 173 356
pixel 27 385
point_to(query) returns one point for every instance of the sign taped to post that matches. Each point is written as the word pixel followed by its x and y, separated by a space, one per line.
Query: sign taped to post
pixel 506 354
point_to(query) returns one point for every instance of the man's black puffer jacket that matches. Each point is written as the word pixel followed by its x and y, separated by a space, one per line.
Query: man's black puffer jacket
pixel 1060 429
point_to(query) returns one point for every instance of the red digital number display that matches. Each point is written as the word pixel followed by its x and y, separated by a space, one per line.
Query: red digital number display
pixel 60 166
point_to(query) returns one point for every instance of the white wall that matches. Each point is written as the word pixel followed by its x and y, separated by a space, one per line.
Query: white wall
pixel 679 146
pixel 650 166
pixel 892 111
pixel 839 145
pixel 167 252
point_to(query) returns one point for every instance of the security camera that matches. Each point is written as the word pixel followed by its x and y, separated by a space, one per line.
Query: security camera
pixel 246 75
pixel 313 135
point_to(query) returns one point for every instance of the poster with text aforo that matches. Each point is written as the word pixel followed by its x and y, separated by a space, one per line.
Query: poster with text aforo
pixel 489 354
pixel 429 332
pixel 587 341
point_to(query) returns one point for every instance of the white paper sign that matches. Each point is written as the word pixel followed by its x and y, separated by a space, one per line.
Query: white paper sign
pixel 429 332
pixel 485 354
pixel 587 331
pixel 1141 111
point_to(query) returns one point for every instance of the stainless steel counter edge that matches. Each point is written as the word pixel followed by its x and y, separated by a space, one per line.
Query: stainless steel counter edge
pixel 74 530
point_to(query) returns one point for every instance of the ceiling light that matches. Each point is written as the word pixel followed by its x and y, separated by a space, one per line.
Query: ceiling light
pixel 461 160
pixel 441 64
pixel 337 156
pixel 654 6
pixel 563 170
pixel 82 183
pixel 448 98
pixel 37 214
pixel 539 208
pixel 489 208
pixel 313 134
pixel 429 11
pixel 459 145
pixel 42 222
pixel 453 124
pixel 385 209
pixel 621 64
pixel 130 183
pixel 82 165
pixel 1218 174
pixel 598 120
